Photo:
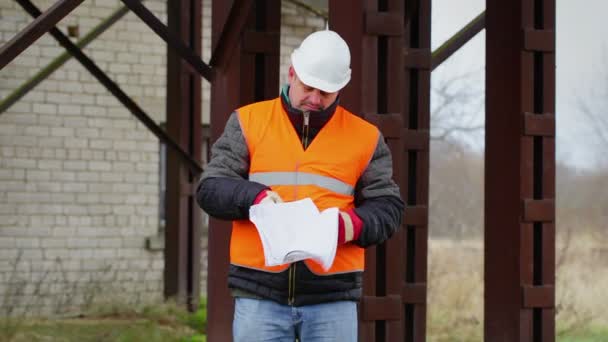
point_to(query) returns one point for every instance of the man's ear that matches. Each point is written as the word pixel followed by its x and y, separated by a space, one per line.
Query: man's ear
pixel 291 75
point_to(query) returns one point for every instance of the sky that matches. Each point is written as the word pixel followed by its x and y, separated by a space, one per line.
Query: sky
pixel 581 68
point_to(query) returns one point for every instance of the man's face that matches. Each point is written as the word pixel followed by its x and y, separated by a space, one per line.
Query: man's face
pixel 307 98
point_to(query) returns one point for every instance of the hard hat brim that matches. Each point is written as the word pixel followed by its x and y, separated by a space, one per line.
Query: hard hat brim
pixel 315 82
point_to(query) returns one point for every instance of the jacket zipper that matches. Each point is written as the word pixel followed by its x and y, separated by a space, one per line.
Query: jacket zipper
pixel 305 129
pixel 291 296
pixel 292 284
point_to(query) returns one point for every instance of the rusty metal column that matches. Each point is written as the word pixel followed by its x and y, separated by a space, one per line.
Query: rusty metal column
pixel 520 171
pixel 251 74
pixel 417 59
pixel 390 87
pixel 182 233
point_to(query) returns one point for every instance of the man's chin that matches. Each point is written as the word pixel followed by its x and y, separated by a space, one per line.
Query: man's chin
pixel 310 109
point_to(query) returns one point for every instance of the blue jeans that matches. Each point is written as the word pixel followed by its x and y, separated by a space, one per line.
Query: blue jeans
pixel 258 320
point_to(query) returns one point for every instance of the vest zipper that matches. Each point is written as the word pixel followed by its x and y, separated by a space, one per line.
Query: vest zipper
pixel 305 128
pixel 292 284
pixel 292 268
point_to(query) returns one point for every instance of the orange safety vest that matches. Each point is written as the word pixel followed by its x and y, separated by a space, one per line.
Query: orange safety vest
pixel 327 172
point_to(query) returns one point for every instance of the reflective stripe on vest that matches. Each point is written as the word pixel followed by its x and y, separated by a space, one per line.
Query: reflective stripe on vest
pixel 327 172
pixel 302 178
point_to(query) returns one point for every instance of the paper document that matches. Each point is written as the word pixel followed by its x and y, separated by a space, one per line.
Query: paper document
pixel 294 231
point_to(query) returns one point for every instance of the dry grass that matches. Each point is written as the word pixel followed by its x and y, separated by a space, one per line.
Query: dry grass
pixel 455 292
pixel 455 297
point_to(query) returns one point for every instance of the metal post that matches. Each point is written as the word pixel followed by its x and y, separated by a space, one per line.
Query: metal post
pixel 182 233
pixel 249 74
pixel 390 48
pixel 520 171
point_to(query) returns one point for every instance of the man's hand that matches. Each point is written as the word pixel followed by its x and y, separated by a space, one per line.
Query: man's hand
pixel 349 226
pixel 267 196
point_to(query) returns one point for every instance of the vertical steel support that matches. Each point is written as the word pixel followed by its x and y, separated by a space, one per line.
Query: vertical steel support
pixel 182 234
pixel 251 74
pixel 390 86
pixel 417 59
pixel 520 171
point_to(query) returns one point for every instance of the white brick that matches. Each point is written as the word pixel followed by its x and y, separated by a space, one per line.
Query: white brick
pixel 112 177
pixel 75 122
pixel 82 98
pixel 69 209
pixel 58 98
pixel 100 166
pixel 75 187
pixel 73 154
pixel 53 243
pixel 38 175
pixel 124 210
pixel 76 143
pixel 69 109
pixel 49 164
pixel 50 121
pixel 44 108
pixel 87 132
pixel 110 242
pixel 27 197
pixel 48 187
pixel 21 118
pixel 96 111
pixel 55 253
pixel 129 145
pixel 62 132
pixel 88 176
pixel 76 89
pixel 62 198
pixel 75 165
pixel 7 140
pixel 63 231
pixel 50 209
pixel 63 176
pixel 19 163
pixel 51 141
pixel 100 209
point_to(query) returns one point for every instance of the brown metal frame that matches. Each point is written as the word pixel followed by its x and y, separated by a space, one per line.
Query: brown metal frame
pixel 250 74
pixel 391 59
pixel 520 171
pixel 183 228
pixel 392 62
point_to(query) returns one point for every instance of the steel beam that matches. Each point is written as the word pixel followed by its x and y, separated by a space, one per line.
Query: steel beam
pixel 231 33
pixel 458 40
pixel 192 57
pixel 115 90
pixel 183 229
pixel 35 29
pixel 248 76
pixel 520 171
pixel 56 63
pixel 390 87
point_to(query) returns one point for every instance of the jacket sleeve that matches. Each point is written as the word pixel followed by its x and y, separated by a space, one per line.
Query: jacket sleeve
pixel 224 191
pixel 377 199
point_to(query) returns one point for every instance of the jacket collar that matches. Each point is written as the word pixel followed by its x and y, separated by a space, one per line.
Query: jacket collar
pixel 322 115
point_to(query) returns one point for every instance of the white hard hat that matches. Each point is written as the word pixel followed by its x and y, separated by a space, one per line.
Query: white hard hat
pixel 322 61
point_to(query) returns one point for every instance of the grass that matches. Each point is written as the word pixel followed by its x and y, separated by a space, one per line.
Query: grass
pixel 112 321
pixel 455 291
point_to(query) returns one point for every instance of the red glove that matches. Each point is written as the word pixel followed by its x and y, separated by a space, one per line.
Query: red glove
pixel 349 226
pixel 267 196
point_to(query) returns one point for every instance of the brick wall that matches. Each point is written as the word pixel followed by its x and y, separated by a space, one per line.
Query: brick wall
pixel 79 175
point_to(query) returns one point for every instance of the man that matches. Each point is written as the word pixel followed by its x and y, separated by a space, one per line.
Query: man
pixel 302 144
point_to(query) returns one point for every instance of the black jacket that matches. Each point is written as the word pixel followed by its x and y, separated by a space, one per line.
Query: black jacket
pixel 225 192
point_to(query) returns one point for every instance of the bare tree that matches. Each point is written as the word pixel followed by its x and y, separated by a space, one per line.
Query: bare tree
pixel 457 106
pixel 593 109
